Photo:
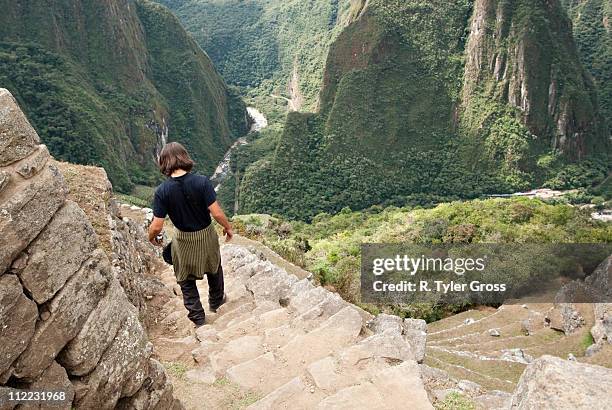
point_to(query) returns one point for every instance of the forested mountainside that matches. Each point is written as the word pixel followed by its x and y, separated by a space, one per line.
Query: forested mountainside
pixel 429 101
pixel 267 46
pixel 107 82
pixel 591 20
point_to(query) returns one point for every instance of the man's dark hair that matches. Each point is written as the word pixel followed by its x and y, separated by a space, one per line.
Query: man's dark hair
pixel 174 156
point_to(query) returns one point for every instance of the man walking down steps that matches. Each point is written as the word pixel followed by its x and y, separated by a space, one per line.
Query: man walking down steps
pixel 190 201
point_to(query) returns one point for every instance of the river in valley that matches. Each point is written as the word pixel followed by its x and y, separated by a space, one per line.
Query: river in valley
pixel 223 169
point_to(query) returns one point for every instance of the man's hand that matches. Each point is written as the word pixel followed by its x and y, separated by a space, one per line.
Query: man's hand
pixel 229 234
pixel 219 215
pixel 155 229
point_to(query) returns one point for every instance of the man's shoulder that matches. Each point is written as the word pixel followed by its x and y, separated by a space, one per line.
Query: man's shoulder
pixel 199 179
pixel 163 187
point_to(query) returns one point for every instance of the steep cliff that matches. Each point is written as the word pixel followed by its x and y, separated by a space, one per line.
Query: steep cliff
pixel 108 82
pixel 67 322
pixel 435 101
pixel 591 26
pixel 521 55
pixel 276 46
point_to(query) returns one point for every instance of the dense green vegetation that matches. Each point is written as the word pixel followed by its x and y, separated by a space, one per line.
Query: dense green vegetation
pixel 404 119
pixel 330 246
pixel 257 44
pixel 103 82
pixel 592 33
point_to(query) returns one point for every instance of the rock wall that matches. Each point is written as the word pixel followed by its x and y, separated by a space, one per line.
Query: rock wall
pixel 67 323
pixel 522 53
pixel 122 235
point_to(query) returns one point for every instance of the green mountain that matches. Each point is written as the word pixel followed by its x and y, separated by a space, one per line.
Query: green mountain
pixel 267 46
pixel 429 101
pixel 107 82
pixel 591 22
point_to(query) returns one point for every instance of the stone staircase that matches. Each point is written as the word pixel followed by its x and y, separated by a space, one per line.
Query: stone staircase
pixel 286 343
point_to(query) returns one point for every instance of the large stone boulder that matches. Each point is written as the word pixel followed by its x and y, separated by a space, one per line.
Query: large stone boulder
pixel 413 331
pixel 18 316
pixel 120 372
pixel 602 329
pixel 25 209
pixel 17 137
pixel 66 314
pixel 83 352
pixel 601 279
pixel 553 383
pixel 57 253
pixel 54 379
pixel 155 393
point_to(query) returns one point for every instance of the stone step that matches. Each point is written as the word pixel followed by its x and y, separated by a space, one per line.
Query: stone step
pixel 230 311
pixel 271 370
pixel 269 317
pixel 396 387
pixel 359 362
pixel 297 394
pixel 237 351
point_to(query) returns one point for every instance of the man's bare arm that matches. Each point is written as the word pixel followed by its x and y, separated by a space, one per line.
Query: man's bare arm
pixel 155 229
pixel 217 213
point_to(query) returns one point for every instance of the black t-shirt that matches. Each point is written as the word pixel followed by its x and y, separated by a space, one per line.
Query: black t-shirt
pixel 188 205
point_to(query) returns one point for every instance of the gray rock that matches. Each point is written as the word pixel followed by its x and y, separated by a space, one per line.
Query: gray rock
pixel 593 349
pixel 415 332
pixel 25 213
pixel 83 352
pixel 121 370
pixel 388 345
pixel 55 379
pixel 534 322
pixel 469 387
pixel 134 260
pixel 331 304
pixel 602 329
pixel 18 316
pixel 155 393
pixel 601 279
pixel 494 332
pixel 5 403
pixel 272 284
pixel 69 310
pixel 5 179
pixel 57 253
pixel 385 322
pixel 34 163
pixel 17 137
pixel 566 318
pixel 516 355
pixel 469 321
pixel 553 383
